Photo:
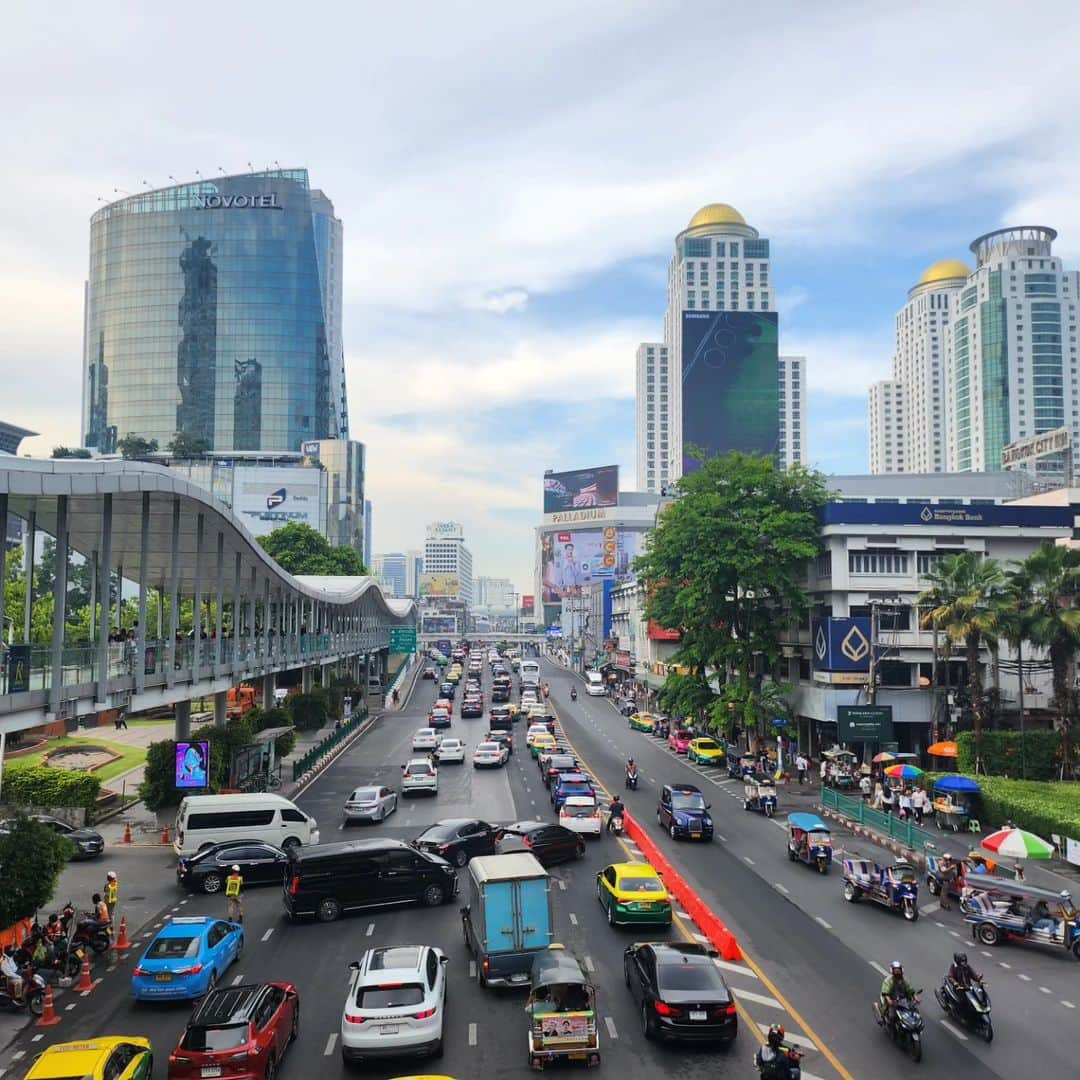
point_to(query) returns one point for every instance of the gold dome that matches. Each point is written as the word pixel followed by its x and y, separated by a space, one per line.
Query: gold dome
pixel 716 213
pixel 945 270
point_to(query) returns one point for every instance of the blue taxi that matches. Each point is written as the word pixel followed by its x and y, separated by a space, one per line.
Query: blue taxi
pixel 186 958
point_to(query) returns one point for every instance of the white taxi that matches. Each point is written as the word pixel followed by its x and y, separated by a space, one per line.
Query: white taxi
pixel 580 814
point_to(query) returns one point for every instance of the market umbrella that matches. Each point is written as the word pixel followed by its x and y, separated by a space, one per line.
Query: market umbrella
pixel 958 785
pixel 1013 843
pixel 883 756
pixel 942 749
pixel 903 772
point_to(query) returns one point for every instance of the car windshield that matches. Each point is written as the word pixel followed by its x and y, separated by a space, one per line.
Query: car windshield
pixel 173 948
pixel 688 802
pixel 418 767
pixel 706 744
pixel 450 744
pixel 487 748
pixel 641 884
pixel 579 810
pixel 211 1040
pixel 575 785
pixel 691 977
pixel 389 997
pixel 682 734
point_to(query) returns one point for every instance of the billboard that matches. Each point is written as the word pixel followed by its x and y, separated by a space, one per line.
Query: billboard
pixel 842 644
pixel 1028 450
pixel 730 385
pixel 438 624
pixel 528 604
pixel 448 585
pixel 267 498
pixel 192 764
pixel 864 723
pixel 581 489
pixel 572 559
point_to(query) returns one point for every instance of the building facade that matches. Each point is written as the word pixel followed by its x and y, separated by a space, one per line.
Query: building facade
pixel 414 567
pixel 494 594
pixel 213 308
pixel 791 429
pixel 886 427
pixel 392 572
pixel 653 398
pixel 448 569
pixel 369 532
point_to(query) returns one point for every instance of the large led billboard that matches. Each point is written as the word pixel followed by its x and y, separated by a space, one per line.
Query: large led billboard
pixel 730 383
pixel 268 498
pixel 581 489
pixel 576 558
pixel 445 585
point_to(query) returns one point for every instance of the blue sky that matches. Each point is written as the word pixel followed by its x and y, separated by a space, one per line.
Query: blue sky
pixel 511 179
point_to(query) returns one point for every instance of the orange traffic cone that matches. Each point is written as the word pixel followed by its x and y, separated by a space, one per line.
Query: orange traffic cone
pixel 85 983
pixel 127 833
pixel 165 835
pixel 48 1013
pixel 122 944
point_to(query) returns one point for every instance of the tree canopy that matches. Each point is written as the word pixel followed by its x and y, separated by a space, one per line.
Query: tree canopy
pixel 187 447
pixel 70 452
pixel 32 858
pixel 299 549
pixel 133 446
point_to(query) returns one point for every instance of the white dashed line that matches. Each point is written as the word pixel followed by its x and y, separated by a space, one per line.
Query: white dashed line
pixel 939 925
pixel 1002 964
pixel 702 938
pixel 330 1041
pixel 955 1032
pixel 985 953
pixel 681 914
pixel 266 936
pixel 472 1034
pixel 879 968
pixel 573 919
pixel 1068 1005
pixel 722 839
pixel 780 888
pixel 819 919
pixel 238 980
pixel 589 966
pixel 370 930
pixel 761 999
pixel 71 1006
pixel 562 885
pixel 1045 989
pixel 1021 975
pixel 748 860
pixel 610 1025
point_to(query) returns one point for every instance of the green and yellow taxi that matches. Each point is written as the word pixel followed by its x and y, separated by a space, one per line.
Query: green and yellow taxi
pixel 705 752
pixel 111 1057
pixel 633 893
pixel 642 721
pixel 453 674
pixel 541 742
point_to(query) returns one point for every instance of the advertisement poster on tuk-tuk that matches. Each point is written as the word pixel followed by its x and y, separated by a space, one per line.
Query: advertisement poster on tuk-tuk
pixel 564 1028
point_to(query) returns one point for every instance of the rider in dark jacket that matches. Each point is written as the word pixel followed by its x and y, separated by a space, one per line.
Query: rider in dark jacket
pixel 961 973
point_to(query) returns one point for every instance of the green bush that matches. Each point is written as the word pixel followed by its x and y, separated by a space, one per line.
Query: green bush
pixel 41 786
pixel 158 786
pixel 1003 751
pixel 32 857
pixel 261 719
pixel 308 712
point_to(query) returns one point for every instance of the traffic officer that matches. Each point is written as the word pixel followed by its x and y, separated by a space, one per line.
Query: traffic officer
pixel 234 886
pixel 112 894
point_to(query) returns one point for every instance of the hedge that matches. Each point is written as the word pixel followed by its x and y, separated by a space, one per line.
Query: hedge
pixel 308 712
pixel 41 786
pixel 1038 756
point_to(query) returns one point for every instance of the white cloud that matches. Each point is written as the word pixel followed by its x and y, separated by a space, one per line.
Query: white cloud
pixel 842 365
pixel 500 302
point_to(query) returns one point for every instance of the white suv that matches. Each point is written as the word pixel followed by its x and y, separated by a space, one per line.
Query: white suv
pixel 418 775
pixel 427 738
pixel 451 750
pixel 395 1003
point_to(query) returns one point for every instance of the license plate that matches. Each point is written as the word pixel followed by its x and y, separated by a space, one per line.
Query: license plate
pixel 697 1014
pixel 646 905
pixel 388 1029
pixel 163 976
pixel 211 1070
pixel 520 977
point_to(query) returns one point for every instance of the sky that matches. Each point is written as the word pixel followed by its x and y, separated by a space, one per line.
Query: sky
pixel 511 179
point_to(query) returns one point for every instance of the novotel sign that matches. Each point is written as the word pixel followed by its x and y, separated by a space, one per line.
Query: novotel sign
pixel 238 202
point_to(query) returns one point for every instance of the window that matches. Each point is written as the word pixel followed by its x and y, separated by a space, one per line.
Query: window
pixel 696 248
pixel 877 562
pixel 824 565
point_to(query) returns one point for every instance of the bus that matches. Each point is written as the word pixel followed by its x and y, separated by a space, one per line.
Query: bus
pixel 530 673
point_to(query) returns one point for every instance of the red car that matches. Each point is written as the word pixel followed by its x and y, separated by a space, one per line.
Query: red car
pixel 679 740
pixel 241 1033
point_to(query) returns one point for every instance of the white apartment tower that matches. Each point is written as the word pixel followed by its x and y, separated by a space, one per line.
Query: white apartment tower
pixel 1011 357
pixel 445 553
pixel 886 424
pixel 653 397
pixel 792 379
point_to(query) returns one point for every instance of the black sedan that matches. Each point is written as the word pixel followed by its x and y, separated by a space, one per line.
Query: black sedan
pixel 260 864
pixel 86 843
pixel 549 843
pixel 471 708
pixel 457 840
pixel 680 992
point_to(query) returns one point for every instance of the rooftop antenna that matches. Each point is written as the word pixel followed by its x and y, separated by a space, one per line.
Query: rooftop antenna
pixel 221 170
pixel 277 163
pixel 173 179
pixel 198 174
pixel 251 167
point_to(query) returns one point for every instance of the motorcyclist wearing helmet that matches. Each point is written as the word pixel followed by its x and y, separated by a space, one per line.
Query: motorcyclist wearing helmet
pixel 773 1059
pixel 631 767
pixel 961 974
pixel 895 986
pixel 615 810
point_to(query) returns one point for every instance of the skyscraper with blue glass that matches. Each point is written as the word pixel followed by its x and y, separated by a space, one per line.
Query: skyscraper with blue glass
pixel 214 309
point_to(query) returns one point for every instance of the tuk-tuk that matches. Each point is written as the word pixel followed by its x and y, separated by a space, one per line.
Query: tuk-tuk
pixel 760 794
pixel 741 765
pixel 974 864
pixel 562 1011
pixel 1000 910
pixel 895 887
pixel 809 841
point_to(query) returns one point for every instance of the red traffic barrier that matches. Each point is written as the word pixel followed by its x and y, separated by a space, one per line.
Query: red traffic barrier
pixel 165 835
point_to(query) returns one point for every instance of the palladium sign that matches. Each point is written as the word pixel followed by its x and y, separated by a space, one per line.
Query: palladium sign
pixel 237 202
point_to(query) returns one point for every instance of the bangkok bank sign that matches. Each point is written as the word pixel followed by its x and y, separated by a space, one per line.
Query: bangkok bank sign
pixel 238 202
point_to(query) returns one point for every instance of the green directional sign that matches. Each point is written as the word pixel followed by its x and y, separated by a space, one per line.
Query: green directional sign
pixel 403 639
pixel 863 723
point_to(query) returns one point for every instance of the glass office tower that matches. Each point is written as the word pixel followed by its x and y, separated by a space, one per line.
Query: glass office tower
pixel 214 309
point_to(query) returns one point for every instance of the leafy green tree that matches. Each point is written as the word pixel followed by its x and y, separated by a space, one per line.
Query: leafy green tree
pixel 133 446
pixel 299 549
pixel 964 601
pixel 79 452
pixel 725 567
pixel 188 447
pixel 32 857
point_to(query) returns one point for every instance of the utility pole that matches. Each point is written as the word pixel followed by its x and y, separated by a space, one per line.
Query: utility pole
pixel 1020 669
pixel 871 689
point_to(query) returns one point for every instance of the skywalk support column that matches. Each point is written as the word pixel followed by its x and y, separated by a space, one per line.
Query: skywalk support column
pixel 306 681
pixel 196 660
pixel 104 586
pixel 221 708
pixel 173 651
pixel 182 712
pixel 144 556
pixel 219 624
pixel 31 543
pixel 3 561
pixel 268 691
pixel 56 682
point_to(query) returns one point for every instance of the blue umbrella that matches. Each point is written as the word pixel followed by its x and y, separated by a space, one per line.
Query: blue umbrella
pixel 957 785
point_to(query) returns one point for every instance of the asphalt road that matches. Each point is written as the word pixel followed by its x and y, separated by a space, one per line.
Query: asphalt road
pixel 486 1030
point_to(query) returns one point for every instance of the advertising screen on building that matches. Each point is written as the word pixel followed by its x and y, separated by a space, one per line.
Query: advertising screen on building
pixel 730 388
pixel 440 585
pixel 267 498
pixel 575 558
pixel 528 604
pixel 581 489
pixel 438 624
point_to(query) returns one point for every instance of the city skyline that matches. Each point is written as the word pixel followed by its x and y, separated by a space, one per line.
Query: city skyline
pixel 503 262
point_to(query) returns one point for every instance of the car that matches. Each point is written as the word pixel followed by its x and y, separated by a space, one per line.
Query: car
pixel 447 690
pixel 395 1003
pixel 680 992
pixel 457 840
pixel 451 750
pixel 240 1032
pixel 453 675
pixel 419 775
pixel 705 752
pixel 683 811
pixel 429 673
pixel 426 739
pixel 500 711
pixel 570 783
pixel 500 693
pixel 106 1057
pixel 374 803
pixel 490 755
pixel 472 707
pixel 581 814
pixel 504 739
pixel 679 740
pixel 556 764
pixel 260 864
pixel 186 958
pixel 550 843
pixel 439 718
pixel 535 713
pixel 86 843
pixel 633 892
pixel 642 721
pixel 534 730
pixel 444 703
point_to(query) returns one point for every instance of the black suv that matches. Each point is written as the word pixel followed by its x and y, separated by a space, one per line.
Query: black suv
pixel 683 811
pixel 327 880
pixel 260 864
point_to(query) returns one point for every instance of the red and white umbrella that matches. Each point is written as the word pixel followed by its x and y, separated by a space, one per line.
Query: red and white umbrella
pixel 1014 843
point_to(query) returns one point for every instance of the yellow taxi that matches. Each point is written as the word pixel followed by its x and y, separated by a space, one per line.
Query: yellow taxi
pixel 633 893
pixel 536 712
pixel 704 751
pixel 111 1057
pixel 515 709
pixel 453 674
pixel 541 741
pixel 642 721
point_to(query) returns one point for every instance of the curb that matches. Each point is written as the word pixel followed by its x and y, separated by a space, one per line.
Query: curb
pixel 887 842
pixel 331 755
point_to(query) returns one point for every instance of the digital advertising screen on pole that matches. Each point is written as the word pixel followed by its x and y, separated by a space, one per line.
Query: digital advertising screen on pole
pixel 192 764
pixel 581 489
pixel 730 386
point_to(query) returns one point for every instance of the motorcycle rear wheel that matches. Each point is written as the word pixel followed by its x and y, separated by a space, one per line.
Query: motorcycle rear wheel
pixel 988 1030
pixel 914 1047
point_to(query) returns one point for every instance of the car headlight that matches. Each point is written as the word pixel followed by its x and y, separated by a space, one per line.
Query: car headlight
pixel 707 821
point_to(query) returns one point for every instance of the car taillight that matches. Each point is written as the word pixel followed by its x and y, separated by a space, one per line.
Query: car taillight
pixel 351 1018
pixel 294 885
pixel 724 1010
pixel 527 841
pixel 664 1009
pixel 241 1055
pixel 176 1059
pixel 425 1015
pixel 195 969
pixel 140 971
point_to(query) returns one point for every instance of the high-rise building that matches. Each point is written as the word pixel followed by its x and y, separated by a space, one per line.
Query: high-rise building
pixel 1011 352
pixel 886 427
pixel 653 415
pixel 913 437
pixel 494 594
pixel 414 567
pixel 367 532
pixel 213 308
pixel 792 390
pixel 392 567
pixel 448 570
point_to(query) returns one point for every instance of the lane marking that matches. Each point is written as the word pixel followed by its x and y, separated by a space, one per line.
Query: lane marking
pixel 72 1005
pixel 588 963
pixel 722 839
pixel 330 1041
pixel 562 884
pixel 985 953
pixel 737 969
pixel 700 937
pixel 573 919
pixel 748 860
pixel 1002 964
pixel 791 1037
pixel 681 914
pixel 1046 989
pixel 238 980
pixel 1026 978
pixel 939 925
pixel 1068 1004
pixel 761 999
pixel 956 1033
pixel 879 968
pixel 610 1025
pixel 370 930
pixel 472 969
pixel 780 888
pixel 266 936
pixel 472 1034
pixel 822 922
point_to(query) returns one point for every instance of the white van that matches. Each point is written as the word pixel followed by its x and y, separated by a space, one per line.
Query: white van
pixel 594 684
pixel 203 820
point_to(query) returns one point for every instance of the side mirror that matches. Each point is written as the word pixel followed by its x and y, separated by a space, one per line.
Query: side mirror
pixel 444 959
pixel 708 806
pixel 355 965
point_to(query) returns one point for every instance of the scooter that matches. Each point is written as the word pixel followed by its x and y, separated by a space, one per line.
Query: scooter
pixel 970 1006
pixel 88 930
pixel 33 995
pixel 905 1026
pixel 573 693
pixel 615 826
pixel 632 779
pixel 782 1064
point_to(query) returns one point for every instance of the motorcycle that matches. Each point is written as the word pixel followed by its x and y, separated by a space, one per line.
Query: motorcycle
pixel 58 962
pixel 573 693
pixel 615 826
pixel 33 995
pixel 631 779
pixel 904 1026
pixel 969 1006
pixel 89 931
pixel 781 1064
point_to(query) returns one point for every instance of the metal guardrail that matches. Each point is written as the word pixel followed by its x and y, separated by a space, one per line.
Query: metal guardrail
pixel 858 810
pixel 339 735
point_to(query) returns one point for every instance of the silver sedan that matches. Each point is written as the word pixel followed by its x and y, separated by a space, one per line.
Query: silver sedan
pixel 370 804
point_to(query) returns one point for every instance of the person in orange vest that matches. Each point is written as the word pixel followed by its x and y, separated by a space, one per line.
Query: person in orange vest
pixel 234 887
pixel 112 894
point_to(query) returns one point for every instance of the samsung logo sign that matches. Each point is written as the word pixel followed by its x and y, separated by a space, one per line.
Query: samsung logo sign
pixel 237 202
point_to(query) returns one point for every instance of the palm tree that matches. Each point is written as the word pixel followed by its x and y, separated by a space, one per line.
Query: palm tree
pixel 963 600
pixel 1049 582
